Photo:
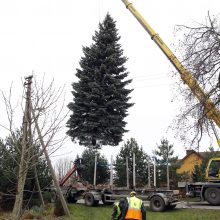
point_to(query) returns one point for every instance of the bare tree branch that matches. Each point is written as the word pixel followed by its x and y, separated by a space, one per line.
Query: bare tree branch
pixel 200 51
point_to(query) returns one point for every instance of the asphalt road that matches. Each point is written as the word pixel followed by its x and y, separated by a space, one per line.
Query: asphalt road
pixel 197 205
pixel 193 205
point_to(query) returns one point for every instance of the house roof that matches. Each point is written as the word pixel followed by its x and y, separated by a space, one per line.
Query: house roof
pixel 199 154
pixel 190 153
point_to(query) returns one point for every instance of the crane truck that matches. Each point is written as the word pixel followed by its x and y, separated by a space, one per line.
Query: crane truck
pixel 210 190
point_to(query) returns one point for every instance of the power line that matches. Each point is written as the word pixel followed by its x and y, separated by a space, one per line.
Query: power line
pixel 150 78
pixel 151 74
pixel 150 86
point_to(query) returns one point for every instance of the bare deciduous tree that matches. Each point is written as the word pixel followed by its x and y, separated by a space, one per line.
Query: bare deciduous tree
pixel 43 120
pixel 200 52
pixel 62 166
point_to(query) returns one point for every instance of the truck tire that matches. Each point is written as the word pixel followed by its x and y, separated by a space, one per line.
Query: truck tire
pixel 157 204
pixel 89 199
pixel 212 196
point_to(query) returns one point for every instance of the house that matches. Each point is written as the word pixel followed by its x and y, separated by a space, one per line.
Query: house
pixel 188 163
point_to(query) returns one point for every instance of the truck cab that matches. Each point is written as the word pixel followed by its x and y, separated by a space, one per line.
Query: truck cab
pixel 213 170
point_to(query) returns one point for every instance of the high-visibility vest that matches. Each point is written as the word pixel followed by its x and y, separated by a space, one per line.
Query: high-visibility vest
pixel 118 210
pixel 134 208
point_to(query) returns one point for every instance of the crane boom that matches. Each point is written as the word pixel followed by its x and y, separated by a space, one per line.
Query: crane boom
pixel 68 175
pixel 211 111
pixel 76 166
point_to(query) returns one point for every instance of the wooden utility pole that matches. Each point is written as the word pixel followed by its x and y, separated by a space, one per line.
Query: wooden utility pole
pixel 63 202
pixel 25 153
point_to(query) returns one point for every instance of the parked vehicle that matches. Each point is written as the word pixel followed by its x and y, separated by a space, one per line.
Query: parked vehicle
pixel 159 199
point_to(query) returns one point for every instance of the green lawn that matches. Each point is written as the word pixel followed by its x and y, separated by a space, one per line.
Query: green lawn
pixel 101 212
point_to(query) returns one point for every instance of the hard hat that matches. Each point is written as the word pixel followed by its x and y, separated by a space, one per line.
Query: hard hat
pixel 132 193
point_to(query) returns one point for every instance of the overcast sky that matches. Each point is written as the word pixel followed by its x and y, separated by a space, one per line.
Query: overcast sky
pixel 46 36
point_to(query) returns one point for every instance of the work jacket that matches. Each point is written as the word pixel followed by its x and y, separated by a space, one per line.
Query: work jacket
pixel 134 208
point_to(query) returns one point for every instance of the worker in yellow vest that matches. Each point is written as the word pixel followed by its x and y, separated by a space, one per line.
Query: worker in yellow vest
pixel 134 209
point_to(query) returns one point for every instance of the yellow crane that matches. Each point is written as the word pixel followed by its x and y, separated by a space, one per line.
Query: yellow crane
pixel 211 111
pixel 209 192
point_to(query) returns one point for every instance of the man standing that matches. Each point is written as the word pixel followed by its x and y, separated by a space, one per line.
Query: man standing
pixel 134 208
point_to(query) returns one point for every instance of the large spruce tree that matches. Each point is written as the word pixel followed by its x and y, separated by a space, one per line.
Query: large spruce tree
pixel 101 99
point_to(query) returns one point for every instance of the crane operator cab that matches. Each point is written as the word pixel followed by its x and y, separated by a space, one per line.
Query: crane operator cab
pixel 213 170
